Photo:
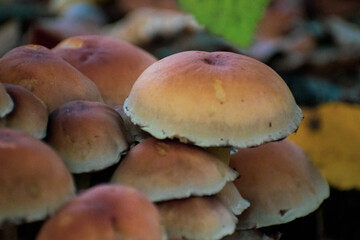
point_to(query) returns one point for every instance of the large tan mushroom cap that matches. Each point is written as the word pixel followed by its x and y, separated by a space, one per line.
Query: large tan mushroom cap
pixel 113 65
pixel 6 103
pixel 34 181
pixel 280 183
pixel 105 212
pixel 213 99
pixel 87 135
pixel 201 218
pixel 30 113
pixel 168 169
pixel 47 76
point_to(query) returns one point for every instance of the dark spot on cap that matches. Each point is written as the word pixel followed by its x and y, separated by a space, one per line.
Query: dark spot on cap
pixel 218 61
pixel 270 124
pixel 282 212
pixel 208 61
pixel 314 124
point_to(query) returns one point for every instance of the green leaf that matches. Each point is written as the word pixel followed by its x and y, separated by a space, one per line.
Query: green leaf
pixel 235 20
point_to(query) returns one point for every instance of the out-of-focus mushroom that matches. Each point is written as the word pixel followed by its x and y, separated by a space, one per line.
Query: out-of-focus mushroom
pixel 30 113
pixel 89 136
pixel 166 170
pixel 144 25
pixel 132 5
pixel 47 76
pixel 280 183
pixel 105 212
pixel 34 181
pixel 113 65
pixel 203 218
pixel 6 103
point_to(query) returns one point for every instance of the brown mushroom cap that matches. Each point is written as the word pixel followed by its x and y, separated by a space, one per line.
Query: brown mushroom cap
pixel 202 218
pixel 166 170
pixel 113 65
pixel 34 181
pixel 30 113
pixel 87 135
pixel 213 99
pixel 6 103
pixel 46 75
pixel 280 183
pixel 105 212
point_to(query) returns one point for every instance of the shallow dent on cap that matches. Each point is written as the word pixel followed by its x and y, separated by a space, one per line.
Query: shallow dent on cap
pixel 72 43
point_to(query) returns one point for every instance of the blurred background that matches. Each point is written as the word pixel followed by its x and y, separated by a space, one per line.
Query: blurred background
pixel 313 44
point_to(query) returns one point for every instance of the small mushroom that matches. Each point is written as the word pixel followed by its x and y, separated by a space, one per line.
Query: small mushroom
pixel 113 65
pixel 46 75
pixel 165 170
pixel 279 181
pixel 89 136
pixel 105 212
pixel 201 218
pixel 34 182
pixel 30 113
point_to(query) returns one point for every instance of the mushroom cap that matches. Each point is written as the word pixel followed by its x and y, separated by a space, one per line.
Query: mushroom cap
pixel 34 181
pixel 88 136
pixel 6 103
pixel 202 218
pixel 166 170
pixel 232 198
pixel 46 75
pixel 30 113
pixel 105 212
pixel 280 183
pixel 213 99
pixel 113 65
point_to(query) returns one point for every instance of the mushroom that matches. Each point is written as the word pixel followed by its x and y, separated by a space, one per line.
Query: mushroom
pixel 105 212
pixel 165 170
pixel 201 218
pixel 171 173
pixel 6 103
pixel 89 136
pixel 113 65
pixel 216 99
pixel 279 181
pixel 34 181
pixel 46 75
pixel 30 113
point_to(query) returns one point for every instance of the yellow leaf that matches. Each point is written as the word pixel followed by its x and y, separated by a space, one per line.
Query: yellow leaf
pixel 330 134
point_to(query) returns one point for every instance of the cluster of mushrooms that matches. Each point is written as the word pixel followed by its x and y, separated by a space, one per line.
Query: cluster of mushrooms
pixel 100 140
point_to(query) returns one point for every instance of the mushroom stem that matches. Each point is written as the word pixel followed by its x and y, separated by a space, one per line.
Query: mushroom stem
pixel 320 223
pixel 223 153
pixel 8 232
pixel 82 180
